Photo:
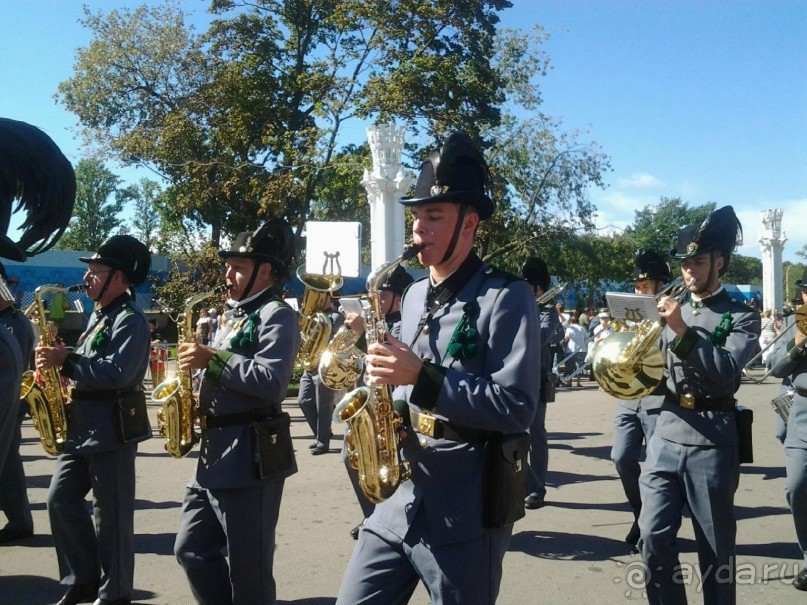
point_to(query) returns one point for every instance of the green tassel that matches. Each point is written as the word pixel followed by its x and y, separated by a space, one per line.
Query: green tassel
pixel 101 337
pixel 245 337
pixel 721 332
pixel 463 343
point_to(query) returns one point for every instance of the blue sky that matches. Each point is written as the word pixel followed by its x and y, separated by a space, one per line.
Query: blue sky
pixel 703 100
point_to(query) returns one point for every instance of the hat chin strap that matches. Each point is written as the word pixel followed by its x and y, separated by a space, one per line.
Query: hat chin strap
pixel 456 235
pixel 251 281
pixel 105 287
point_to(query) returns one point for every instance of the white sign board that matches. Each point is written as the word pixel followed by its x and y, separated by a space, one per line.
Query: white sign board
pixel 333 248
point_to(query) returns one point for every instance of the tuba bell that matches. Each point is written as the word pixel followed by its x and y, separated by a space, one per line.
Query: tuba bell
pixel 628 364
pixel 315 326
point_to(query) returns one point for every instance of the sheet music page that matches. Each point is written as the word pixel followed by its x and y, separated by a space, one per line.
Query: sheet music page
pixel 351 304
pixel 632 307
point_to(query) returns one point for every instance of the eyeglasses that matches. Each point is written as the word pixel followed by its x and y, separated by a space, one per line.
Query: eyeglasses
pixel 91 274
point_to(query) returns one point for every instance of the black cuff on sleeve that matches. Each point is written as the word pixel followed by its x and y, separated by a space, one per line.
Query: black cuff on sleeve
pixel 69 366
pixel 682 347
pixel 427 388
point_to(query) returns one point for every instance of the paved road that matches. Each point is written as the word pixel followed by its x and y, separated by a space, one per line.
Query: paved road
pixel 568 552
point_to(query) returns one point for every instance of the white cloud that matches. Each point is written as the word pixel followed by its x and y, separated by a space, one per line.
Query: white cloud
pixel 639 180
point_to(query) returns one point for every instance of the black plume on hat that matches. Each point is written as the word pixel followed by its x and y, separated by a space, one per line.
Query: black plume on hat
pixel 37 178
pixel 720 231
pixel 648 264
pixel 535 271
pixel 397 281
pixel 458 173
pixel 272 242
pixel 125 253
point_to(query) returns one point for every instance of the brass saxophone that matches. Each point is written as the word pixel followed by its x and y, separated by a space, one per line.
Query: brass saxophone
pixel 372 436
pixel 178 409
pixel 47 400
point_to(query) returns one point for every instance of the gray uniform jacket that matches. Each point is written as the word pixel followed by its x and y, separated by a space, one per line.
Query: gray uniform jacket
pixel 20 326
pixel 797 421
pixel 707 370
pixel 248 375
pixel 494 389
pixel 112 354
pixel 11 369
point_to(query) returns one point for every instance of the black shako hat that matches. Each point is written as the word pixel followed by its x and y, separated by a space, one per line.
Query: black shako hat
pixel 458 173
pixel 125 253
pixel 397 281
pixel 535 272
pixel 648 264
pixel 272 242
pixel 720 231
pixel 802 283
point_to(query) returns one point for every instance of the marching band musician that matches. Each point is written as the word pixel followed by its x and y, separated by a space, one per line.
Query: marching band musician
pixel 535 272
pixel 468 360
pixel 693 455
pixel 13 492
pixel 794 376
pixel 226 537
pixel 107 412
pixel 636 418
pixel 316 400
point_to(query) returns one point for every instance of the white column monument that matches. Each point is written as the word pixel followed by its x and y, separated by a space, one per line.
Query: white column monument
pixel 386 183
pixel 772 242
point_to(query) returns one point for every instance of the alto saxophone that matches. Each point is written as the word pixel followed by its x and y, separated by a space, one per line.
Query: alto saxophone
pixel 178 409
pixel 372 436
pixel 45 396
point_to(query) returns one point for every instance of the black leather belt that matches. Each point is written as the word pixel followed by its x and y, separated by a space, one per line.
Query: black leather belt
pixel 690 402
pixel 426 424
pixel 100 395
pixel 217 422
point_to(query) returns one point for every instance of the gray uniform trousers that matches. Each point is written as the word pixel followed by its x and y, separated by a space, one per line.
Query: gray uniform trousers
pixel 217 523
pixel 539 453
pixel 13 493
pixel 317 402
pixel 386 572
pixel 632 426
pixel 796 461
pixel 111 476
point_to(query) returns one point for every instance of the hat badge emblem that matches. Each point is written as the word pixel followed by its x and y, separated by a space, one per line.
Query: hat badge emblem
pixel 438 189
pixel 692 248
pixel 243 249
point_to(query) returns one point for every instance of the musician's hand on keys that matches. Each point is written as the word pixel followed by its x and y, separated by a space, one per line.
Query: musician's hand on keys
pixel 194 356
pixel 51 357
pixel 391 362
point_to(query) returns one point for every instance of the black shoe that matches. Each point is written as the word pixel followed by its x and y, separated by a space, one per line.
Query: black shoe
pixel 633 535
pixel 121 601
pixel 9 535
pixel 534 501
pixel 313 445
pixel 80 593
pixel 800 581
pixel 319 450
pixel 354 533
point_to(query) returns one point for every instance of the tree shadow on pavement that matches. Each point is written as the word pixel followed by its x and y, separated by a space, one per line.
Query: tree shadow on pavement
pixel 755 512
pixel 559 478
pixel 158 544
pixel 767 472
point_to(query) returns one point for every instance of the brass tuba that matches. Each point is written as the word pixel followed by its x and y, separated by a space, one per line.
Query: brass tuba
pixel 45 397
pixel 178 409
pixel 342 362
pixel 628 364
pixel 315 326
pixel 372 437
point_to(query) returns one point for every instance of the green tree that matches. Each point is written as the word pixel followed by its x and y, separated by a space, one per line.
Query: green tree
pixel 99 202
pixel 656 227
pixel 743 270
pixel 146 220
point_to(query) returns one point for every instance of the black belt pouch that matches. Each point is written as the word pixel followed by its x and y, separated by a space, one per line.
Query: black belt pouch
pixel 131 418
pixel 274 452
pixel 745 420
pixel 505 479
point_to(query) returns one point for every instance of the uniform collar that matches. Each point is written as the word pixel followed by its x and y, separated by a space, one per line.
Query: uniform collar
pixel 720 296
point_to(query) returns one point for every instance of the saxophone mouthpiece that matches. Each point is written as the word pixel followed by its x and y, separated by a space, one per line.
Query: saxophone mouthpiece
pixel 77 288
pixel 411 251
